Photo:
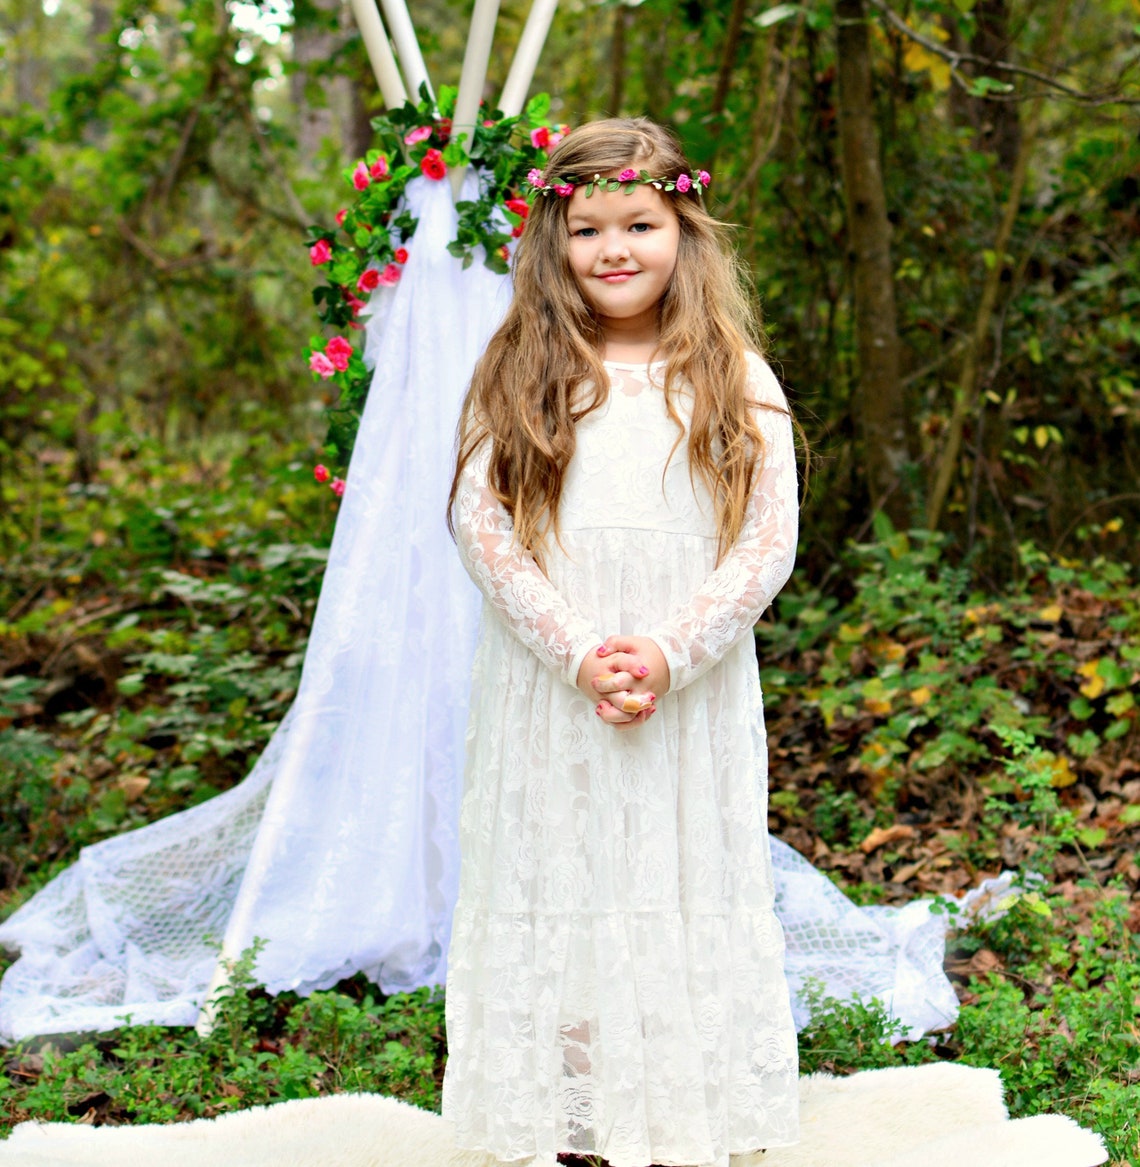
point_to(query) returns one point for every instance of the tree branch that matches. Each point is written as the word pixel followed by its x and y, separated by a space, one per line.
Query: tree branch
pixel 957 59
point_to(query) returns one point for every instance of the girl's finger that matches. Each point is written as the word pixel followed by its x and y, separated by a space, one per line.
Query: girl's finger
pixel 638 718
pixel 626 662
pixel 612 682
pixel 611 714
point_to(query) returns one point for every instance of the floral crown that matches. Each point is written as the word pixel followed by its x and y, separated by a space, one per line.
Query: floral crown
pixel 697 182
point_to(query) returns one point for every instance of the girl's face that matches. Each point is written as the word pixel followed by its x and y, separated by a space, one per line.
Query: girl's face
pixel 622 250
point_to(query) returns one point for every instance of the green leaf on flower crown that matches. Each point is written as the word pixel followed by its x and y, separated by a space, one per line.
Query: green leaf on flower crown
pixel 670 186
pixel 589 189
pixel 361 237
pixel 447 97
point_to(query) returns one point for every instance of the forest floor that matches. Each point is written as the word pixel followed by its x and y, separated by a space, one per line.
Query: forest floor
pixel 924 735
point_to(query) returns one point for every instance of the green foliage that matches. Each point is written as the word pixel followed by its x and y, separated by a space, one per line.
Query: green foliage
pixel 932 697
pixel 153 638
pixel 1055 1015
pixel 261 1050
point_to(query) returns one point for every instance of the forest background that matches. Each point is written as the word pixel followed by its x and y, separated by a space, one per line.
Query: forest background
pixel 940 203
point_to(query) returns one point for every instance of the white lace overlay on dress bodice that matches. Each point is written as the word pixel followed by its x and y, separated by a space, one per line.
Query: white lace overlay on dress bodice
pixel 630 471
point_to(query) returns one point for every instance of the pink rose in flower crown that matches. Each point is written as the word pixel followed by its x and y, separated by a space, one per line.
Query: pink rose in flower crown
pixel 433 165
pixel 320 252
pixel 360 178
pixel 389 276
pixel 419 134
pixel 321 365
pixel 369 279
pixel 337 487
pixel 683 183
pixel 628 175
pixel 555 138
pixel 379 168
pixel 321 473
pixel 354 302
pixel 534 177
pixel 518 206
pixel 540 137
pixel 401 255
pixel 563 190
pixel 339 351
pixel 705 178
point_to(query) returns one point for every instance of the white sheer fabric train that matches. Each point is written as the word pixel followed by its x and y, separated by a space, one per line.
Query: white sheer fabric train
pixel 339 850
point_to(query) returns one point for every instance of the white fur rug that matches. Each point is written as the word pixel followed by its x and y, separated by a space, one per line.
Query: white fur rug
pixel 941 1115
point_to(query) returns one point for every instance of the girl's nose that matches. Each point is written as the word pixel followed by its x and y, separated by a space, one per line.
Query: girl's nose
pixel 614 245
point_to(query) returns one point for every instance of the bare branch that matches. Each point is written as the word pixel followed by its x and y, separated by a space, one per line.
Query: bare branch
pixel 957 59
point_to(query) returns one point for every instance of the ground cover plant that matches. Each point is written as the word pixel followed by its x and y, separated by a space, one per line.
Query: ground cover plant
pixel 925 732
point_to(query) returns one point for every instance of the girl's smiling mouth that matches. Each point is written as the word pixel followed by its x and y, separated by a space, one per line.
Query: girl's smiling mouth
pixel 616 277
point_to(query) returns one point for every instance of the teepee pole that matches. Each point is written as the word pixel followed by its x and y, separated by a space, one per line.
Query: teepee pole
pixel 379 52
pixel 472 78
pixel 399 21
pixel 526 56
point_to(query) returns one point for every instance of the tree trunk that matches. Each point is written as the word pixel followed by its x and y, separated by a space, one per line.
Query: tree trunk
pixel 327 106
pixel 966 397
pixel 879 397
pixel 997 122
pixel 617 60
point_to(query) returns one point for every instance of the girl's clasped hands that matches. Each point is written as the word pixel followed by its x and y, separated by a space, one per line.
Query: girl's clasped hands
pixel 628 673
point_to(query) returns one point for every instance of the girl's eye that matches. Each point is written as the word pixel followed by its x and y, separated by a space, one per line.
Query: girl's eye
pixel 586 232
pixel 640 228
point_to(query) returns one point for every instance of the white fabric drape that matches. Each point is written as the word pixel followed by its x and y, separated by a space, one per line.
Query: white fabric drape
pixel 339 850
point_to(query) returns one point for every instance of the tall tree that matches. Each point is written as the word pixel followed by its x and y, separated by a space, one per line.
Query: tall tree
pixel 879 396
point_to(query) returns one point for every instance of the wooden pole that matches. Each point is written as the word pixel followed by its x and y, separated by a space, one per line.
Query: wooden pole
pixel 472 78
pixel 526 56
pixel 397 18
pixel 379 52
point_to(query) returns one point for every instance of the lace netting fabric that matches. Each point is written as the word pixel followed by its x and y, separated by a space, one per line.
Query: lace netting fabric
pixel 340 849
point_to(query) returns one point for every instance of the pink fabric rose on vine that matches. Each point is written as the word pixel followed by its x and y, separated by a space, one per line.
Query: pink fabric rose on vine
pixel 339 351
pixel 433 165
pixel 321 365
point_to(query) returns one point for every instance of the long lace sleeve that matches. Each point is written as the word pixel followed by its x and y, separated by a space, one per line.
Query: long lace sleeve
pixel 526 601
pixel 730 601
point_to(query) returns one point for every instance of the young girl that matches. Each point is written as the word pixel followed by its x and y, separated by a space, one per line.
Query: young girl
pixel 625 498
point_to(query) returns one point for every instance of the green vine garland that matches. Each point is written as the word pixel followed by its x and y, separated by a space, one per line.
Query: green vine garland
pixel 375 232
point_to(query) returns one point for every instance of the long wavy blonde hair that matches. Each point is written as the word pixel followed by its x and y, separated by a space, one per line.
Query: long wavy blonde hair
pixel 527 391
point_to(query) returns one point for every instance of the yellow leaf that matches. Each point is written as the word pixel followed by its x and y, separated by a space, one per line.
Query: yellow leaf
pixel 920 60
pixel 921 695
pixel 1051 613
pixel 1089 668
pixel 877 706
pixel 1041 437
pixel 1093 687
pixel 1062 774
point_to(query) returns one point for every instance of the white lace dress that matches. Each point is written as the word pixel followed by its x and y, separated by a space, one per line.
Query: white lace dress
pixel 616 982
